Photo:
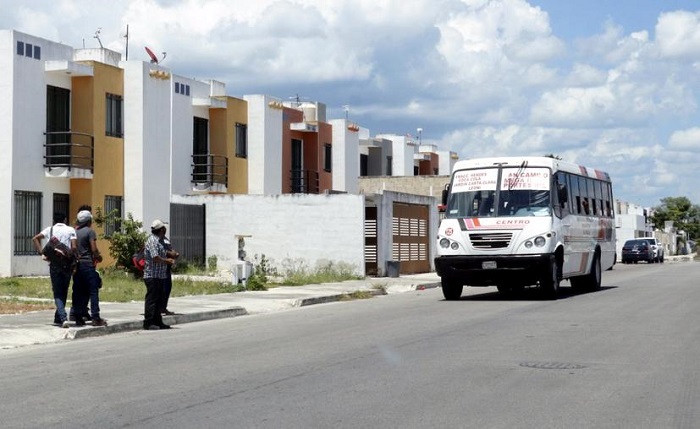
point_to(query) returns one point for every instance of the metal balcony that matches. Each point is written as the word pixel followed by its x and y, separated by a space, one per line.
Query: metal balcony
pixel 69 154
pixel 304 182
pixel 209 170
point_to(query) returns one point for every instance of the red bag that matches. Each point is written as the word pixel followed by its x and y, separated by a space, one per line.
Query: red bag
pixel 139 260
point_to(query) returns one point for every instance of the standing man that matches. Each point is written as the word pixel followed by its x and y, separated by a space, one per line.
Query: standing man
pixel 155 275
pixel 168 283
pixel 59 272
pixel 86 282
pixel 86 312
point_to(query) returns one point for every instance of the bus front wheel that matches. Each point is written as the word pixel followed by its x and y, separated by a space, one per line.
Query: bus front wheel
pixel 549 283
pixel 451 290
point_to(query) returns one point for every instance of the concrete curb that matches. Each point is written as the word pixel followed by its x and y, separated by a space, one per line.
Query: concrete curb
pixel 75 333
pixel 177 319
pixel 333 298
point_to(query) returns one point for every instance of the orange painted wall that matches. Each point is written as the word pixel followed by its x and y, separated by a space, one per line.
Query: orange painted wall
pixel 289 115
pixel 428 167
pixel 325 136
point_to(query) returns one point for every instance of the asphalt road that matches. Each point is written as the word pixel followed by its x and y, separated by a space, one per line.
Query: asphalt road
pixel 627 356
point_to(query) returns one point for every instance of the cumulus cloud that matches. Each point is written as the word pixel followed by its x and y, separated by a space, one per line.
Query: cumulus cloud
pixel 678 34
pixel 685 140
pixel 481 77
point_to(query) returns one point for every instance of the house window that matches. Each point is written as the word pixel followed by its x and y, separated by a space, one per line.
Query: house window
pixel 20 48
pixel 61 204
pixel 327 159
pixel 113 122
pixel 113 209
pixel 388 166
pixel 28 49
pixel 27 221
pixel 241 140
pixel 37 52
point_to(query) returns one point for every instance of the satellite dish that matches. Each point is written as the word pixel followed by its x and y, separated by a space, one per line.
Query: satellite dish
pixel 150 53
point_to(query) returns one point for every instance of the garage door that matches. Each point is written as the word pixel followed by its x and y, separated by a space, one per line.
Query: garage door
pixel 371 241
pixel 410 238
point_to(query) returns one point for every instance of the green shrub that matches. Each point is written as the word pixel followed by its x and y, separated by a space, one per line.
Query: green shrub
pixel 212 262
pixel 128 239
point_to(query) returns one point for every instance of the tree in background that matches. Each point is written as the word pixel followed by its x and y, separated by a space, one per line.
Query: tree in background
pixel 684 214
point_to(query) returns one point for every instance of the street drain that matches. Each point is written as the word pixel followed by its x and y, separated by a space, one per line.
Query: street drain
pixel 551 365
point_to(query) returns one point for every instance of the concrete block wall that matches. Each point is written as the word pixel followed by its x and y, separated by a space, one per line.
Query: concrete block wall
pixel 430 186
pixel 292 227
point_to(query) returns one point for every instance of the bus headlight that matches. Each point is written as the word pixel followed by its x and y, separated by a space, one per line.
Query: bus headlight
pixel 454 245
pixel 540 241
pixel 528 244
pixel 444 243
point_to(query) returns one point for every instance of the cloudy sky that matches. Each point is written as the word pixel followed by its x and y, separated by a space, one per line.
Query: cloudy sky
pixel 610 84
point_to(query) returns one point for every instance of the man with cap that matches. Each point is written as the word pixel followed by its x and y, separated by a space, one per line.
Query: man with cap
pixel 154 275
pixel 60 273
pixel 86 281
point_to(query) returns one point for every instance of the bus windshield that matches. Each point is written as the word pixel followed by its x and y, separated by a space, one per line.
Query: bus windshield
pixel 499 192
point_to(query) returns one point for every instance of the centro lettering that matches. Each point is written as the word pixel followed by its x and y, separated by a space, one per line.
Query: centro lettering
pixel 513 222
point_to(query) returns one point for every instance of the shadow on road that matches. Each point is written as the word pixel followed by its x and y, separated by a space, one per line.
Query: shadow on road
pixel 531 294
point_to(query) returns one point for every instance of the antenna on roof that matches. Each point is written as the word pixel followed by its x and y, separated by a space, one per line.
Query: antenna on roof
pixel 126 36
pixel 97 36
pixel 298 100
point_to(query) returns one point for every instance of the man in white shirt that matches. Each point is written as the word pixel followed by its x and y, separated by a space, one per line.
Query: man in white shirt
pixel 60 273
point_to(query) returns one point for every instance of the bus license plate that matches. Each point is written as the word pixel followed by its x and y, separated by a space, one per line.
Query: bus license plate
pixel 488 265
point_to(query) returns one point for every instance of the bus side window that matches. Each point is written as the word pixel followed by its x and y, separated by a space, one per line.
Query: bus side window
pixel 584 205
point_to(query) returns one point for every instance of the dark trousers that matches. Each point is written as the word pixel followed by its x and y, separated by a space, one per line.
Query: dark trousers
pixel 60 279
pixel 151 311
pixel 167 288
pixel 86 288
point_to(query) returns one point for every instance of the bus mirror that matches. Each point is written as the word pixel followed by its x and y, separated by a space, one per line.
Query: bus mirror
pixel 445 192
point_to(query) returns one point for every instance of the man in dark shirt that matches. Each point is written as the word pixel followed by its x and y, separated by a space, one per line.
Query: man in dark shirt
pixel 86 281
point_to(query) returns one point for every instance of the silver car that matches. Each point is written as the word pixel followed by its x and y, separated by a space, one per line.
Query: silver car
pixel 657 248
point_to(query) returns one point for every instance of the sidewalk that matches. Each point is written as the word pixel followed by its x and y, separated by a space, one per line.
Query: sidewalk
pixel 18 330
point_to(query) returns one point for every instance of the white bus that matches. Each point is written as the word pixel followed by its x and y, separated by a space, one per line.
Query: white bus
pixel 514 222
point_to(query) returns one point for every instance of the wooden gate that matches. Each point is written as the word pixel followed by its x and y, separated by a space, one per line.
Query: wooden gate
pixel 371 241
pixel 410 238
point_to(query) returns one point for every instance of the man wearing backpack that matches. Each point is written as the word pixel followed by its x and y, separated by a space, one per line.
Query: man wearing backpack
pixel 60 269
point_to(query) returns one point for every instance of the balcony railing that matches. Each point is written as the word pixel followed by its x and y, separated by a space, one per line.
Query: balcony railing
pixel 69 150
pixel 209 169
pixel 304 182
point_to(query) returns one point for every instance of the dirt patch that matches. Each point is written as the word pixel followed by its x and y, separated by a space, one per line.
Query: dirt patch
pixel 19 307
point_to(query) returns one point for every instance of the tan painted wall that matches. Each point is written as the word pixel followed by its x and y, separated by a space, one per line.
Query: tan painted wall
pixel 237 112
pixel 218 133
pixel 89 115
